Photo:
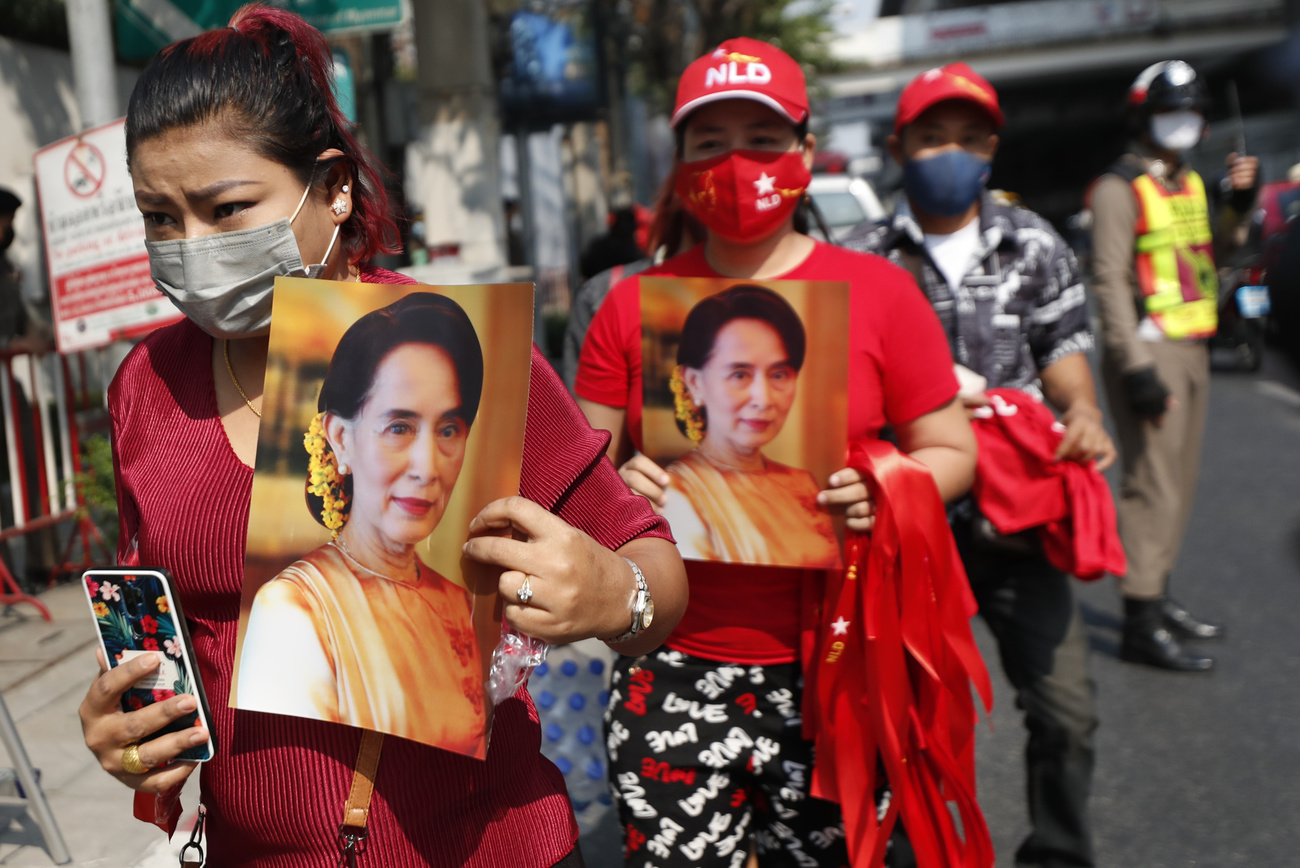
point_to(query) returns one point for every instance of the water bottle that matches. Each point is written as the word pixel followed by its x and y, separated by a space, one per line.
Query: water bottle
pixel 570 691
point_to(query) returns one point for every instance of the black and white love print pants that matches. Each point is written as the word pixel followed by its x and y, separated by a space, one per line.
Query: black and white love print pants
pixel 704 756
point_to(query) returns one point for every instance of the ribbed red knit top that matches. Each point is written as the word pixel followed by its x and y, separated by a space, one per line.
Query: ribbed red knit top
pixel 276 789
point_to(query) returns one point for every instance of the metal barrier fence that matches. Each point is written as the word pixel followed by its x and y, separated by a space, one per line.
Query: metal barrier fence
pixel 47 401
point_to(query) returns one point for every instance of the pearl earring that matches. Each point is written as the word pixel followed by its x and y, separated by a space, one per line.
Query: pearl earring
pixel 343 470
pixel 339 205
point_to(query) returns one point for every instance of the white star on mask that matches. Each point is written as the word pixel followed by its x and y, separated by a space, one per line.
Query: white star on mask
pixel 765 185
pixel 840 627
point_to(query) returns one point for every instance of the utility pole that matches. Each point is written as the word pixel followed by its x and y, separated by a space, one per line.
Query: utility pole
pixel 452 168
pixel 94 73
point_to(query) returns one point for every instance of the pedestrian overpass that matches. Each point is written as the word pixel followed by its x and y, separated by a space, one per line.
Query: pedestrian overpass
pixel 1062 68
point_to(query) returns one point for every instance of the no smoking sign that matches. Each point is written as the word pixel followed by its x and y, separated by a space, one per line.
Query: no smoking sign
pixel 94 242
pixel 84 170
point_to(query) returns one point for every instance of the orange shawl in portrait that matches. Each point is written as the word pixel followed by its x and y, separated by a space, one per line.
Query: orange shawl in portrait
pixel 402 656
pixel 889 660
pixel 765 518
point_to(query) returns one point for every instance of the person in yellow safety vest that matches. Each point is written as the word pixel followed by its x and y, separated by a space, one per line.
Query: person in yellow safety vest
pixel 1156 288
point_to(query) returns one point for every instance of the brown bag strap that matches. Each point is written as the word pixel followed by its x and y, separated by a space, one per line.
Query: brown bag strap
pixel 356 813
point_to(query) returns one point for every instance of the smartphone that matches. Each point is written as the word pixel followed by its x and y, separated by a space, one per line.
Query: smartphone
pixel 137 611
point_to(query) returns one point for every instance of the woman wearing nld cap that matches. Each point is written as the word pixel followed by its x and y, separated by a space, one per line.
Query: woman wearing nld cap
pixel 704 735
pixel 245 168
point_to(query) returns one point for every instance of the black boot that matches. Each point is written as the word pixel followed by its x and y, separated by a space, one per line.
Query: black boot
pixel 1185 625
pixel 1146 639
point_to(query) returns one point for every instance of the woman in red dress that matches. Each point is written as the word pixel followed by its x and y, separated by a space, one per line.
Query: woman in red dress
pixel 244 168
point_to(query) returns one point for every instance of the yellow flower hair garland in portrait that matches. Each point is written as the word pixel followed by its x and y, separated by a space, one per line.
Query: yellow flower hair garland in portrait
pixel 684 408
pixel 324 479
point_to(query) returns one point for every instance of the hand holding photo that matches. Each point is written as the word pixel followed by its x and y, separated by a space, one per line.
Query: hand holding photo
pixel 757 419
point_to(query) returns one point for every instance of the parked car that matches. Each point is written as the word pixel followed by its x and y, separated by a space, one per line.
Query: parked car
pixel 844 202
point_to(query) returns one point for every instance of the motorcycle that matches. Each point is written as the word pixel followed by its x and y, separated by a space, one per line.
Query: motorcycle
pixel 1243 316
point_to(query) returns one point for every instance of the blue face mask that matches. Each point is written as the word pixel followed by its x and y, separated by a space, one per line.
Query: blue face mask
pixel 947 183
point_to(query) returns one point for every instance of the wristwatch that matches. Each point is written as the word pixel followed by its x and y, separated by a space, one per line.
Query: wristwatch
pixel 643 607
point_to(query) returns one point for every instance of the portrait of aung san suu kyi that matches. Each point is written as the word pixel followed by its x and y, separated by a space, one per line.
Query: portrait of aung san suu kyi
pixel 361 630
pixel 755 391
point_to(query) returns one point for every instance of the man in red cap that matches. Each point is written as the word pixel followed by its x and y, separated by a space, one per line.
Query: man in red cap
pixel 1008 293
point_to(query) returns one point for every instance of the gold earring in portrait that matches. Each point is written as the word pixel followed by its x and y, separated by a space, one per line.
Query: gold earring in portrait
pixel 686 409
pixel 325 477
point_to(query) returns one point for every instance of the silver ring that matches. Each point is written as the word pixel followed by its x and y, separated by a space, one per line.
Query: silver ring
pixel 525 593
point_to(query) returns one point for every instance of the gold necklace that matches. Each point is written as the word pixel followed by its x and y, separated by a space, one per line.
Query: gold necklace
pixel 225 348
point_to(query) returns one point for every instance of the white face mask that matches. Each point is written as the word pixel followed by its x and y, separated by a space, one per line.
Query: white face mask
pixel 223 282
pixel 1177 131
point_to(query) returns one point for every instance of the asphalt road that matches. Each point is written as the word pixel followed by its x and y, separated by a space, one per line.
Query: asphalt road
pixel 1196 769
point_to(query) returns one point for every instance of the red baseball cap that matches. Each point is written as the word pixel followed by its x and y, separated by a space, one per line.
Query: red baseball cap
pixel 954 81
pixel 744 69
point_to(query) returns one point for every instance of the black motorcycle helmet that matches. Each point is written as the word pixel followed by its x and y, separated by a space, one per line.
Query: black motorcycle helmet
pixel 1167 86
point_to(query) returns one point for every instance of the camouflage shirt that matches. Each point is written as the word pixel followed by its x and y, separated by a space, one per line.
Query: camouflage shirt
pixel 1020 307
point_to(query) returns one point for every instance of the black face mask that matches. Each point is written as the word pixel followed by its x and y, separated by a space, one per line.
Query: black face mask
pixel 6 239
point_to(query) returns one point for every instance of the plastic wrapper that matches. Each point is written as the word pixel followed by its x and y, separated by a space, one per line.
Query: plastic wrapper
pixel 515 656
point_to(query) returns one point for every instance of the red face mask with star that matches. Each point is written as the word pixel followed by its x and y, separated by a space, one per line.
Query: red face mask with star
pixel 743 195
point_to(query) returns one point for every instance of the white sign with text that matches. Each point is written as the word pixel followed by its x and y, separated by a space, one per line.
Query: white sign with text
pixel 100 288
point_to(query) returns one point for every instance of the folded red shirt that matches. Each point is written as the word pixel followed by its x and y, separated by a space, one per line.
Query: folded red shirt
pixel 1019 485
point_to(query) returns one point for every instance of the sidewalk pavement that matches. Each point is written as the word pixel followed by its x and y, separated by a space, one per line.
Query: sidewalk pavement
pixel 45 668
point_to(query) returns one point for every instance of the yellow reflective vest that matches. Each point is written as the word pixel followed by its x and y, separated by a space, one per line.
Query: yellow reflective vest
pixel 1175 257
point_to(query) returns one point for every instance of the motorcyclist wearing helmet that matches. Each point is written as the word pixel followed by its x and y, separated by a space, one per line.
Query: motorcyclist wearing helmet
pixel 1156 290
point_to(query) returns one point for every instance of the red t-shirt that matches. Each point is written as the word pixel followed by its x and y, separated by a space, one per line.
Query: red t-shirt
pixel 900 368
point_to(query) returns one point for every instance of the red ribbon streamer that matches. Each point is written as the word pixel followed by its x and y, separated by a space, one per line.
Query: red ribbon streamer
pixel 888 688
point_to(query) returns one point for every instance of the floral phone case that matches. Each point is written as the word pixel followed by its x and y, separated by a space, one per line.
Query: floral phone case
pixel 137 613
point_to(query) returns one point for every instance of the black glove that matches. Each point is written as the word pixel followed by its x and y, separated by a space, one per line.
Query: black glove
pixel 1147 396
pixel 1241 201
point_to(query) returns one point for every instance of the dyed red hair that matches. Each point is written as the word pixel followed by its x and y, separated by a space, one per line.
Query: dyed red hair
pixel 670 225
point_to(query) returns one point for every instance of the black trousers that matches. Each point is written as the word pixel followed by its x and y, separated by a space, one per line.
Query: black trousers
pixel 703 755
pixel 1031 610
